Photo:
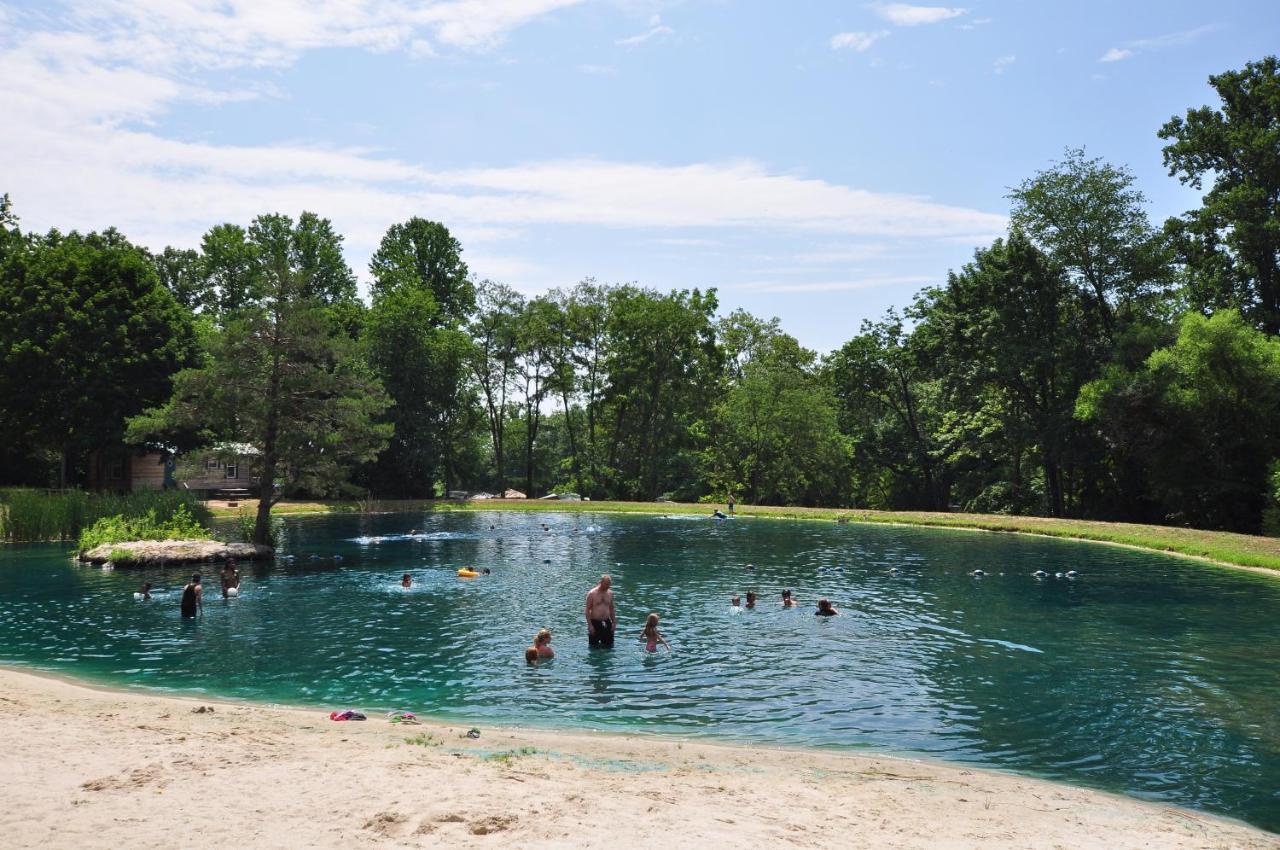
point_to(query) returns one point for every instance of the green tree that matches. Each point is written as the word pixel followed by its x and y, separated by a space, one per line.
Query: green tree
pixel 1231 244
pixel 231 270
pixel 425 255
pixel 283 377
pixel 1201 418
pixel 495 332
pixel 88 337
pixel 1087 215
pixel 183 274
pixel 886 405
pixel 421 295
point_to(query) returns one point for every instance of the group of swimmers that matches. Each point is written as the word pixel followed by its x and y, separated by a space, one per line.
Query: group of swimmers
pixel 192 602
pixel 825 608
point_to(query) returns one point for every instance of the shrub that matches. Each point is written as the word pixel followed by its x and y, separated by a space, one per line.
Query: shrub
pixel 121 529
pixel 36 515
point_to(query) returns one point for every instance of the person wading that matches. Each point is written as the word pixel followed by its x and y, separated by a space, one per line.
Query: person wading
pixel 600 613
pixel 192 598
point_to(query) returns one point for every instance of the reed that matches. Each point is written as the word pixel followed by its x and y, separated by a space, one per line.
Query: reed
pixel 30 516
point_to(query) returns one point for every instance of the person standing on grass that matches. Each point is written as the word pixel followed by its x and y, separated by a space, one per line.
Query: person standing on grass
pixel 601 615
pixel 192 598
pixel 731 501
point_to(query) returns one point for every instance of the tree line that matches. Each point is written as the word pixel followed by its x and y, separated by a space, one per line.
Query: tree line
pixel 1088 363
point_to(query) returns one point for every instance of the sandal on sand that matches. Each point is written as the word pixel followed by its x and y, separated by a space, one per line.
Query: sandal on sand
pixel 473 733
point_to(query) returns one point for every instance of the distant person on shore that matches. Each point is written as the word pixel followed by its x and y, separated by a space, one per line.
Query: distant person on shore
pixel 192 598
pixel 601 614
pixel 730 502
pixel 787 600
pixel 230 577
pixel 751 599
pixel 651 636
pixel 406 580
pixel 542 643
pixel 825 609
pixel 531 656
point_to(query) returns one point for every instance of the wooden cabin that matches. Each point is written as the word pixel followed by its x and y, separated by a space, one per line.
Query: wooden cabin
pixel 129 470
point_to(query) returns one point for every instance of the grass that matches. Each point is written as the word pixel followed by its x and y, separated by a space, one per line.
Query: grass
pixel 180 525
pixel 1223 547
pixel 508 758
pixel 29 516
pixel 422 739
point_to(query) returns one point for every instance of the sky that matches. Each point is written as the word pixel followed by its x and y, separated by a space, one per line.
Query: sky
pixel 816 161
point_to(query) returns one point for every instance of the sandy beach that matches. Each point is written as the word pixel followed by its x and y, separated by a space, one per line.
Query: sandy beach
pixel 87 768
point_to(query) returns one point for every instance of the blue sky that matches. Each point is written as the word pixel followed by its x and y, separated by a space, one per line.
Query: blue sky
pixel 815 161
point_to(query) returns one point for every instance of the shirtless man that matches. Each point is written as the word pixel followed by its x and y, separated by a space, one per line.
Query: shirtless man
pixel 601 617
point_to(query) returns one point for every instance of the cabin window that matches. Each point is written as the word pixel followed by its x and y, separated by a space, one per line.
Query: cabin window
pixel 117 470
pixel 233 470
pixel 212 463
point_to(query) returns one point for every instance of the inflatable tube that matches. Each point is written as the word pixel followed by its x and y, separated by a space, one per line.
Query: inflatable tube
pixel 233 591
pixel 465 573
pixel 138 596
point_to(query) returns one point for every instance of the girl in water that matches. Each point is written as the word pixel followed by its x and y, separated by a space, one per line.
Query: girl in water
pixel 406 580
pixel 651 636
pixel 543 644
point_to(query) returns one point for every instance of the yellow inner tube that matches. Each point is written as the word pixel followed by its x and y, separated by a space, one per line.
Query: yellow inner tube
pixel 466 573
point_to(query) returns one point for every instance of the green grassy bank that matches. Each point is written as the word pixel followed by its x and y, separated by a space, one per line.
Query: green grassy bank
pixel 1242 550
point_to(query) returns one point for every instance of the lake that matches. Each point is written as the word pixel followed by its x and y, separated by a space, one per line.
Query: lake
pixel 1145 674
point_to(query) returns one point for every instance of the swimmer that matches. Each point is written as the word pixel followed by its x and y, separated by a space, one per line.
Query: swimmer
pixel 146 590
pixel 787 600
pixel 230 577
pixel 717 514
pixel 192 598
pixel 531 656
pixel 978 573
pixel 601 614
pixel 735 602
pixel 542 643
pixel 751 599
pixel 651 636
pixel 825 609
pixel 406 580
pixel 1040 574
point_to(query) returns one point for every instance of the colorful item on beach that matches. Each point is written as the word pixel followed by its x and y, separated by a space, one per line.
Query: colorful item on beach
pixel 473 733
pixel 346 715
pixel 403 717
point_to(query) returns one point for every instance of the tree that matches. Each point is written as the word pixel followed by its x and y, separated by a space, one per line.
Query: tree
pixel 424 254
pixel 775 438
pixel 183 274
pixel 420 297
pixel 230 267
pixel 884 402
pixel 1202 419
pixel 88 337
pixel 1231 244
pixel 283 376
pixel 493 360
pixel 1087 215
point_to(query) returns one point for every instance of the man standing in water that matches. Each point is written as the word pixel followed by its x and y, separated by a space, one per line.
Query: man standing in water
pixel 601 617
pixel 192 598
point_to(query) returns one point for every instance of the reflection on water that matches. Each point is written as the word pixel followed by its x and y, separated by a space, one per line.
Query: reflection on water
pixel 1144 674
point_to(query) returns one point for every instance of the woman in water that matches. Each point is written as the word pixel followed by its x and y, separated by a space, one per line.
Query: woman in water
pixel 751 599
pixel 651 636
pixel 192 598
pixel 543 644
pixel 825 609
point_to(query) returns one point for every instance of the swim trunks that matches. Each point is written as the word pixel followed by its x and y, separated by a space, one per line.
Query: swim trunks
pixel 601 635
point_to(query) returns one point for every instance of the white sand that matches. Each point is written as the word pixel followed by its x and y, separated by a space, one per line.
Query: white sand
pixel 87 768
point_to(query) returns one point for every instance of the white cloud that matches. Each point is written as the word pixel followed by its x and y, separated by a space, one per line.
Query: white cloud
pixel 1159 42
pixel 649 34
pixel 1003 62
pixel 80 152
pixel 598 70
pixel 858 41
pixel 834 285
pixel 904 15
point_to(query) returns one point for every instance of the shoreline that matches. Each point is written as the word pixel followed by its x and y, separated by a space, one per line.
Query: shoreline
pixel 1029 526
pixel 300 779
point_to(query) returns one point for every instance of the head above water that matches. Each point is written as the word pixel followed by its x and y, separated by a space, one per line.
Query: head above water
pixel 824 605
pixel 737 600
pixel 544 636
pixel 531 655
pixel 651 622
pixel 195 578
pixel 786 594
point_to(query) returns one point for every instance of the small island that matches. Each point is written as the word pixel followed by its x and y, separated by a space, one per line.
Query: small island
pixel 159 553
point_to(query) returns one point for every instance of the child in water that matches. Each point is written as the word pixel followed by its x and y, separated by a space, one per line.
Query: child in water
pixel 651 636
pixel 751 599
pixel 146 590
pixel 406 580
pixel 735 604
pixel 825 609
pixel 531 656
pixel 542 643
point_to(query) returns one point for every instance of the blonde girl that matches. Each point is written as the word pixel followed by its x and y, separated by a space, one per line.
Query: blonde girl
pixel 651 636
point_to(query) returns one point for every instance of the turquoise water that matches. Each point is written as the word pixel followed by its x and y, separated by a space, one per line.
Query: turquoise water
pixel 1146 674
